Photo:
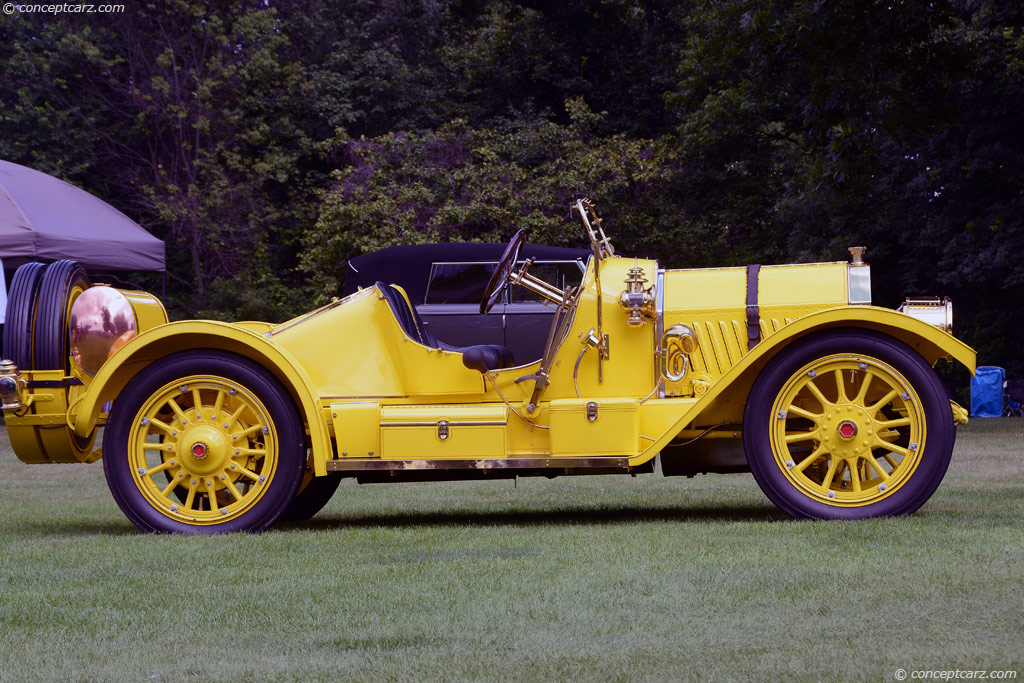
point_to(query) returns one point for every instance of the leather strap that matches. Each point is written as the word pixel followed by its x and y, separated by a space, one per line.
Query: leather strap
pixel 753 312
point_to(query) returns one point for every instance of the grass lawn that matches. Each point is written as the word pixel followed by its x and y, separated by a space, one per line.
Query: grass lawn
pixel 593 578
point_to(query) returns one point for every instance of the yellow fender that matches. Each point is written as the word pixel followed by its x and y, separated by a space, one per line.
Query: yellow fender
pixel 931 342
pixel 159 342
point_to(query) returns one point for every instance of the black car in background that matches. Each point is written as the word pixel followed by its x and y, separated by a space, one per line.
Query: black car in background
pixel 445 283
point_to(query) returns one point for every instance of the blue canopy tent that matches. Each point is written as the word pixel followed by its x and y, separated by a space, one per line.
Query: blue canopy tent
pixel 43 218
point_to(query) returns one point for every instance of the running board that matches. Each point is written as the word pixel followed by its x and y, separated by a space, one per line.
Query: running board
pixel 367 465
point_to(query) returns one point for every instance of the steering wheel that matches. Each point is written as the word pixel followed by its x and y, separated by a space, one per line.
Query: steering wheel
pixel 506 265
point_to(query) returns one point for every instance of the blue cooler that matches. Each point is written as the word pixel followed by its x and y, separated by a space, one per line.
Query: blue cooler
pixel 987 391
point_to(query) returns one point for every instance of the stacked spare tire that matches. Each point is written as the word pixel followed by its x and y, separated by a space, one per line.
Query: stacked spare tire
pixel 36 338
pixel 38 308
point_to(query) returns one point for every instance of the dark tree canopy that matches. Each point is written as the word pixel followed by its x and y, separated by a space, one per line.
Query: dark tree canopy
pixel 268 142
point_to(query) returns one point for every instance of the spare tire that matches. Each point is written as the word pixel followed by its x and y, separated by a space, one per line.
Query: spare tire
pixel 62 283
pixel 21 314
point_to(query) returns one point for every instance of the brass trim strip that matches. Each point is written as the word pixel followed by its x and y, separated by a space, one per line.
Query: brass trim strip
pixel 332 399
pixel 482 464
pixel 334 303
pixel 451 423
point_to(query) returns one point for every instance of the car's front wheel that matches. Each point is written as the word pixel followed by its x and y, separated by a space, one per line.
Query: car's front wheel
pixel 203 442
pixel 848 424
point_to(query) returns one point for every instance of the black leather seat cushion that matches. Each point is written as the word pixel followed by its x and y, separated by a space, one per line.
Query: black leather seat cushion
pixel 481 357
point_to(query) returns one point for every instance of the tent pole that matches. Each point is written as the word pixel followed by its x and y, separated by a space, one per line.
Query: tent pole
pixel 163 285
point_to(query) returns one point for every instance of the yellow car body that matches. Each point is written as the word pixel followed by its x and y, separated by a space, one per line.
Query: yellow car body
pixel 647 361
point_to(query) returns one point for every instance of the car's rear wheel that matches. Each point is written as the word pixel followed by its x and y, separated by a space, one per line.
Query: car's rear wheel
pixel 848 424
pixel 314 493
pixel 212 427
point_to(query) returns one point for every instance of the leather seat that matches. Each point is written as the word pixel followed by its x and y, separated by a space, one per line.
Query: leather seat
pixel 481 357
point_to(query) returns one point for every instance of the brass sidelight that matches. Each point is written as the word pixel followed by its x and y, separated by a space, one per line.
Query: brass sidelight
pixel 637 300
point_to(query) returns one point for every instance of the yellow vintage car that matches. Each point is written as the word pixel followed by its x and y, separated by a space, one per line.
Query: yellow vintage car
pixel 787 371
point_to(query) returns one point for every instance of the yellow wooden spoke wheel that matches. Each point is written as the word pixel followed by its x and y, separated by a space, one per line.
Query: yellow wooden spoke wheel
pixel 204 442
pixel 848 429
pixel 848 424
pixel 214 440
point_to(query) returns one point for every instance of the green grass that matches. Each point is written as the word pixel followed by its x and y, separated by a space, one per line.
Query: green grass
pixel 595 578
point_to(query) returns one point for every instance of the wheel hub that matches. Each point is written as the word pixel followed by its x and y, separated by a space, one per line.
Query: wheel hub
pixel 848 431
pixel 204 449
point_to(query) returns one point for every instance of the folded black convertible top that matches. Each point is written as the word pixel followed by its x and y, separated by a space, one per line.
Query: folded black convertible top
pixel 408 265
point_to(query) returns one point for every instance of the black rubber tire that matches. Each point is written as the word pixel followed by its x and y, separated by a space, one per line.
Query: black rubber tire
pixel 938 422
pixel 287 424
pixel 51 331
pixel 21 314
pixel 312 497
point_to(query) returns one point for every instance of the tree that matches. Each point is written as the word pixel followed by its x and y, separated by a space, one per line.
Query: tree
pixel 187 116
pixel 806 127
pixel 482 184
pixel 711 132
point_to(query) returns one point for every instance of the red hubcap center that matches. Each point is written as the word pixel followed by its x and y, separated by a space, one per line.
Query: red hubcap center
pixel 199 450
pixel 847 429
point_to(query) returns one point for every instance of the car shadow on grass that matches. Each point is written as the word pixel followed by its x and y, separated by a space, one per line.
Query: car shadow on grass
pixel 338 519
pixel 570 517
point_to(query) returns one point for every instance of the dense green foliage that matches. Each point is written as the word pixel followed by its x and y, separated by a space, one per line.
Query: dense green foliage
pixel 268 142
pixel 461 183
